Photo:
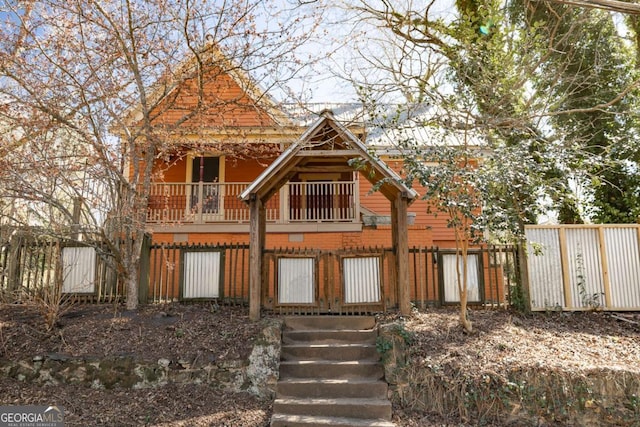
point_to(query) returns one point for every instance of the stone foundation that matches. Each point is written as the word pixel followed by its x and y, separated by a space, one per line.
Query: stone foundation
pixel 257 375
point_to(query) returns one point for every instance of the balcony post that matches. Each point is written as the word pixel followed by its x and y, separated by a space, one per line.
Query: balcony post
pixel 356 198
pixel 284 204
pixel 200 204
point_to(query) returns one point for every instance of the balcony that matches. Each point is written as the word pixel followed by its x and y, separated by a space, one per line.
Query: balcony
pixel 175 204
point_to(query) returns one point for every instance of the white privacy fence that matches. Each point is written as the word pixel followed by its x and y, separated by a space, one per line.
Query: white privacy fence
pixel 584 267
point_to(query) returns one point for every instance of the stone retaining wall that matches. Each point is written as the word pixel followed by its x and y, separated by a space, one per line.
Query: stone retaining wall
pixel 257 375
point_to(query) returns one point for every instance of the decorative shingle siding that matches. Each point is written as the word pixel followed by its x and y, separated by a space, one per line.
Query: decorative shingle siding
pixel 224 104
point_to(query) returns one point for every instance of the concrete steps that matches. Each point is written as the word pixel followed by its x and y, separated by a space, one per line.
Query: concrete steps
pixel 330 352
pixel 318 388
pixel 330 374
pixel 306 421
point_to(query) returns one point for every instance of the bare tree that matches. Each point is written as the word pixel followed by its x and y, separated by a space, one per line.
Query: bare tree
pixel 87 87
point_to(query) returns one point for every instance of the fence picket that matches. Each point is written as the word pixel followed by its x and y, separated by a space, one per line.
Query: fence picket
pixel 35 261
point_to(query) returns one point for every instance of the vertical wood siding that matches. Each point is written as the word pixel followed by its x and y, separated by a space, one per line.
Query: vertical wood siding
pixel 357 280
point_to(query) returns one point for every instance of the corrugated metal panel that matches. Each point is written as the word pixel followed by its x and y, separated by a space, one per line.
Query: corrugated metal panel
pixel 78 270
pixel 623 260
pixel 450 276
pixel 201 274
pixel 361 280
pixel 295 280
pixel 545 268
pixel 585 267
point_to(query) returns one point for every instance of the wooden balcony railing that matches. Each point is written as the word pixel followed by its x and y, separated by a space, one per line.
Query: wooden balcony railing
pixel 202 203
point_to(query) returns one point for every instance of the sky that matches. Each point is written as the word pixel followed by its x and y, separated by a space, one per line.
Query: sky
pixel 345 36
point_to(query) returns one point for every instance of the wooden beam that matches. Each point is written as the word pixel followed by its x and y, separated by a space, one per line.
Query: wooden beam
pixel 256 239
pixel 325 160
pixel 328 153
pixel 325 168
pixel 401 240
pixel 606 280
pixel 277 186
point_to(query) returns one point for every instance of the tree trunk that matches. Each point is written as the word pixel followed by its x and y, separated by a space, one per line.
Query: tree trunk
pixel 464 320
pixel 131 285
pixel 462 249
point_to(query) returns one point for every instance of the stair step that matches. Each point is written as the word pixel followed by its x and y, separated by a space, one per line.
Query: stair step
pixel 330 374
pixel 336 388
pixel 283 420
pixel 323 369
pixel 324 336
pixel 350 408
pixel 352 351
pixel 329 322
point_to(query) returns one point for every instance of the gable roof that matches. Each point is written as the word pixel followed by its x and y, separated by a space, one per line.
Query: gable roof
pixel 214 60
pixel 331 143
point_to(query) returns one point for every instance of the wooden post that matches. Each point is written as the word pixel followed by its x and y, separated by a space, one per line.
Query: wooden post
pixel 606 280
pixel 566 277
pixel 401 244
pixel 77 211
pixel 14 257
pixel 145 268
pixel 256 241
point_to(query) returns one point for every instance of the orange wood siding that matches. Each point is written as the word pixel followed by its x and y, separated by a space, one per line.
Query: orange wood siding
pixel 374 201
pixel 379 204
pixel 381 237
pixel 236 170
pixel 224 103
pixel 174 171
pixel 244 170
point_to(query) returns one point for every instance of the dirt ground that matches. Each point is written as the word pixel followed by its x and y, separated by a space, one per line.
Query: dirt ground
pixel 201 333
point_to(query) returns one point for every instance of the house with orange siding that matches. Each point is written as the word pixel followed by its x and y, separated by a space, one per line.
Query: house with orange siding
pixel 325 205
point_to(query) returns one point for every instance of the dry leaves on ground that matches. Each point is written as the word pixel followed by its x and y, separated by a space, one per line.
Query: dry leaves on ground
pixel 201 333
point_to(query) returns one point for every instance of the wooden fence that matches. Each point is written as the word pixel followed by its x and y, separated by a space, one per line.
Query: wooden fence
pixel 178 272
pixel 304 281
pixel 32 266
pixel 584 267
pixel 348 281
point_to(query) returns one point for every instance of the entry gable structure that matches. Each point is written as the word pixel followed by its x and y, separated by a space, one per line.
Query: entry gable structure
pixel 328 147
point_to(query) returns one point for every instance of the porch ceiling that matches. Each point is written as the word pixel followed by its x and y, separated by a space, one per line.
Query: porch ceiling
pixel 327 146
